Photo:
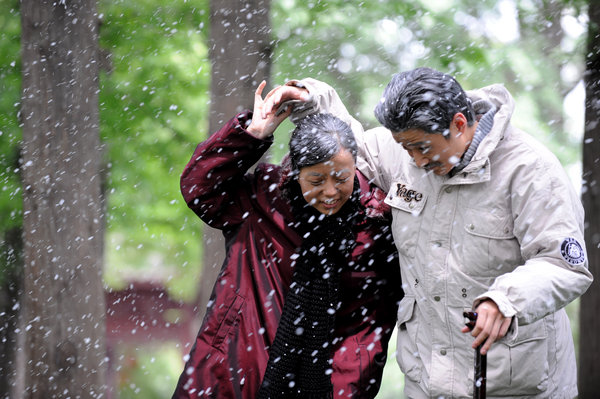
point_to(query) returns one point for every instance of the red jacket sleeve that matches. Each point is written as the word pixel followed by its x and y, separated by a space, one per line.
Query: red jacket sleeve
pixel 214 183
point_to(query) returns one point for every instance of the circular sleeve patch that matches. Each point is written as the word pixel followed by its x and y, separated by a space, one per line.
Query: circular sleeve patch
pixel 571 250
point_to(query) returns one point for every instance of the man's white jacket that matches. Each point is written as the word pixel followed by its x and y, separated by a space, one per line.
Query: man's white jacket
pixel 508 227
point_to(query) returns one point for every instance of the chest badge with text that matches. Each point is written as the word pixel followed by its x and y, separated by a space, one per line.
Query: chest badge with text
pixel 407 194
pixel 403 197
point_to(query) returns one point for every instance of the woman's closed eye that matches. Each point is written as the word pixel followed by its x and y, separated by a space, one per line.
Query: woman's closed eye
pixel 338 180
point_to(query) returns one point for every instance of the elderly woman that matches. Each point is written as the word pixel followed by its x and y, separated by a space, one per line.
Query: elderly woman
pixel 306 300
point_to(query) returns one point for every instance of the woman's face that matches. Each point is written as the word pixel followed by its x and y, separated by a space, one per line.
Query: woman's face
pixel 328 185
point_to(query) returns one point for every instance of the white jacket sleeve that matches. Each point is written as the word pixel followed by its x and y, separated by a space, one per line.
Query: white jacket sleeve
pixel 548 222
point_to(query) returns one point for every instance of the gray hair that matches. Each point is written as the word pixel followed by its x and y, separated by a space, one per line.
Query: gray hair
pixel 423 99
pixel 318 138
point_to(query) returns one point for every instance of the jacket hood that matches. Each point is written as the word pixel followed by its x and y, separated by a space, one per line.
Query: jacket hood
pixel 498 96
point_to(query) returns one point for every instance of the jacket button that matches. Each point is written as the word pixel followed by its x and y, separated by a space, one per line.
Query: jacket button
pixel 471 226
pixel 448 189
pixel 436 298
pixel 443 352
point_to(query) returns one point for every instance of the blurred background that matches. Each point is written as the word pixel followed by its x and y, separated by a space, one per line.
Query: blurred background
pixel 163 76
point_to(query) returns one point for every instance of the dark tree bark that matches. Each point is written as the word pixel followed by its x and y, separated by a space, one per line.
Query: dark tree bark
pixel 589 327
pixel 63 224
pixel 11 270
pixel 240 53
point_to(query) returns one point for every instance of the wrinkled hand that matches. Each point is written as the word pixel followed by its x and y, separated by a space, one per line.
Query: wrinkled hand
pixel 280 95
pixel 263 125
pixel 491 325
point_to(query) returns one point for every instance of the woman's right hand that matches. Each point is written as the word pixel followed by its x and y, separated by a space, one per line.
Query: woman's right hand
pixel 264 123
pixel 290 93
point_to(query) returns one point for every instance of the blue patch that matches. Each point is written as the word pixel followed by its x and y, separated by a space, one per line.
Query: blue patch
pixel 571 250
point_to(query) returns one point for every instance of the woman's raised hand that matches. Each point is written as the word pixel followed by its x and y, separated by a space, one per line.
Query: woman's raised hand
pixel 265 122
pixel 284 96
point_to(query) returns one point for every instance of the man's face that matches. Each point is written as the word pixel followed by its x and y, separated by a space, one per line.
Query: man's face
pixel 432 151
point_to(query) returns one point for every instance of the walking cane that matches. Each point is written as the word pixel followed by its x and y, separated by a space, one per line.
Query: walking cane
pixel 480 362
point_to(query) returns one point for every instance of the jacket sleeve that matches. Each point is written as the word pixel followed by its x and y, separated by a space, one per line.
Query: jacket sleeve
pixel 324 99
pixel 548 222
pixel 213 183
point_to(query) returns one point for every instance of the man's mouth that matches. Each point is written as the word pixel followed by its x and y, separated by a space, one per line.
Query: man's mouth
pixel 432 166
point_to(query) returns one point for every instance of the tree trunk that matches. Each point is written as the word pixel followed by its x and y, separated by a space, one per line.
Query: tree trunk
pixel 63 223
pixel 11 270
pixel 240 53
pixel 589 339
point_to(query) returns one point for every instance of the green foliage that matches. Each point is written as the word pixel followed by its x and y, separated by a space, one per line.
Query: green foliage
pixel 10 132
pixel 153 108
pixel 149 372
pixel 11 205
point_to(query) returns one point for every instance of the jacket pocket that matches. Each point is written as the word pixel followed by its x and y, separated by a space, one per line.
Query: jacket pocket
pixel 407 354
pixel 227 323
pixel 519 367
pixel 489 246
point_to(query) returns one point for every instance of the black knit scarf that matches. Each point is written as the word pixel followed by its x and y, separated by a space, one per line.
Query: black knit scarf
pixel 299 363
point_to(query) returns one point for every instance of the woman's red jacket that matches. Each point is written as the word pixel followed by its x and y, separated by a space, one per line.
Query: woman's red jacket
pixel 230 354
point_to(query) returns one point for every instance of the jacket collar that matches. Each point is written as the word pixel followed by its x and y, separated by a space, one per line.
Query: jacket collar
pixel 479 169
